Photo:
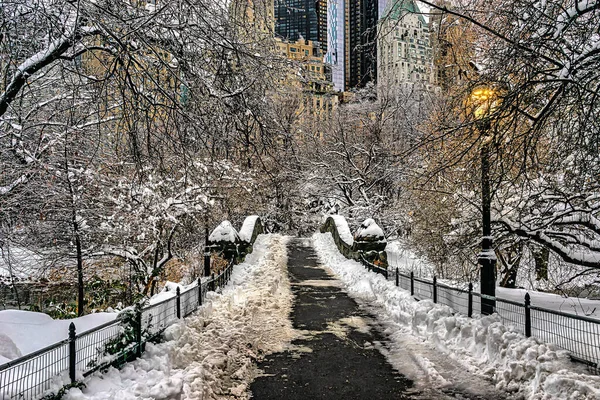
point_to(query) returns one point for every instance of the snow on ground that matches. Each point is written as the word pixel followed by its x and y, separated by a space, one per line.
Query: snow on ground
pixel 571 305
pixel 525 367
pixel 23 332
pixel 210 354
pixel 406 261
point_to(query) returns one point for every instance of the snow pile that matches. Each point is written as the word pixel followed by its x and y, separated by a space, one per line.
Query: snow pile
pixel 170 291
pixel 225 232
pixel 369 230
pixel 8 349
pixel 210 354
pixel 247 229
pixel 343 229
pixel 29 331
pixel 524 367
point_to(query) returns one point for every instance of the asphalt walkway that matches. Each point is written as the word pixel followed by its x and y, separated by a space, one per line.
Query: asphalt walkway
pixel 336 357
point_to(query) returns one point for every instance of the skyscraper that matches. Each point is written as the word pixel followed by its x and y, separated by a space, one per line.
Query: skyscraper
pixel 336 43
pixel 296 19
pixel 351 51
pixel 321 8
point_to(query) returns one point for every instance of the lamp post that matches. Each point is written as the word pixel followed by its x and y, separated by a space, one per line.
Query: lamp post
pixel 482 99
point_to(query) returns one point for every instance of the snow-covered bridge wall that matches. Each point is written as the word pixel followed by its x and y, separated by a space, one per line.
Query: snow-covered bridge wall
pixel 227 240
pixel 367 245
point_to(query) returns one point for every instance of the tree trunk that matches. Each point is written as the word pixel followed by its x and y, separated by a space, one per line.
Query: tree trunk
pixel 510 258
pixel 540 256
pixel 11 274
pixel 80 288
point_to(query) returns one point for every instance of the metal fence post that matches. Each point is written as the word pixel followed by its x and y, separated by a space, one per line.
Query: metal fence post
pixel 397 277
pixel 434 289
pixel 72 352
pixel 199 292
pixel 412 283
pixel 138 331
pixel 178 301
pixel 527 315
pixel 470 299
pixel 206 262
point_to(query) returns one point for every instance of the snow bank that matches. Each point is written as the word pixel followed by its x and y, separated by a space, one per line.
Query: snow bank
pixel 210 354
pixel 225 232
pixel 30 331
pixel 524 367
pixel 247 229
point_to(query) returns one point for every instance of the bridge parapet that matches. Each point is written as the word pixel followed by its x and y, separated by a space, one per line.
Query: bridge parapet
pixel 366 245
pixel 251 228
pixel 232 244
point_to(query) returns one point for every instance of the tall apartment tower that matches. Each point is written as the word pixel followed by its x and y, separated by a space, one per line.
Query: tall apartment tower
pixel 336 39
pixel 404 51
pixel 352 44
pixel 321 8
pixel 302 19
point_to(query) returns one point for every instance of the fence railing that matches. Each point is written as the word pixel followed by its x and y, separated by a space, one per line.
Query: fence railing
pixel 47 371
pixel 577 334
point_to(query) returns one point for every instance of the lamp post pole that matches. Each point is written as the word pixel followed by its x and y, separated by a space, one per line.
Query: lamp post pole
pixel 487 256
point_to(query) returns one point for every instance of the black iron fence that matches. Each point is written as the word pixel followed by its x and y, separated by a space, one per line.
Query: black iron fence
pixel 577 334
pixel 49 370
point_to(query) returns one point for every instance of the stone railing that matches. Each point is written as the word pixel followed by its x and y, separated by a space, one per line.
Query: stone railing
pixel 366 245
pixel 234 245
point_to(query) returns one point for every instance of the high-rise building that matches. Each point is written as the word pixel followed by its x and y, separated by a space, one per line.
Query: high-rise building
pixel 404 51
pixel 296 19
pixel 321 8
pixel 351 49
pixel 361 42
pixel 336 43
pixel 253 17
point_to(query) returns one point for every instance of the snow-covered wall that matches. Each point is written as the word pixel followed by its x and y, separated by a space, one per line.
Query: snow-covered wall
pixel 225 232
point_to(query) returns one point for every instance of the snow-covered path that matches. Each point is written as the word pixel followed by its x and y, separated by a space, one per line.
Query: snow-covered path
pixel 453 353
pixel 211 354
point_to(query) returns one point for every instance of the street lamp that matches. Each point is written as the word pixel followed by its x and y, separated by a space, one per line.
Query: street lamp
pixel 484 99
